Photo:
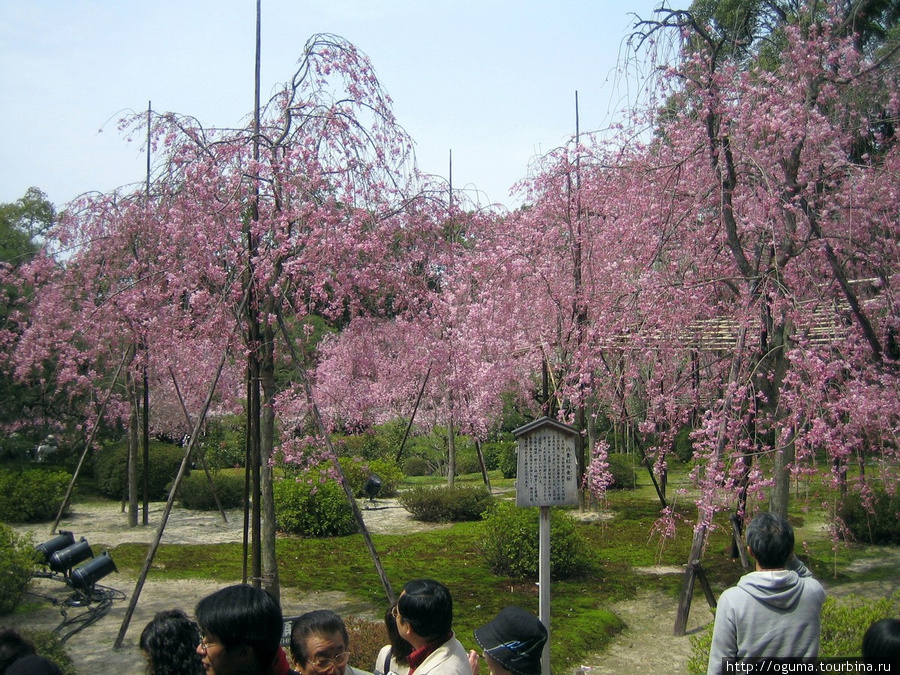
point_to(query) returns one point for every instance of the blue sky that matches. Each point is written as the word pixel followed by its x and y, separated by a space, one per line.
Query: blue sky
pixel 492 80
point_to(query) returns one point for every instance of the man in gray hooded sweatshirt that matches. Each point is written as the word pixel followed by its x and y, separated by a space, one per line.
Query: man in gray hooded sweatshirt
pixel 773 612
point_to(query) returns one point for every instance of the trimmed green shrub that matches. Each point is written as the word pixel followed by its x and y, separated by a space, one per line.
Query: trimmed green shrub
pixel 417 466
pixel 194 492
pixel 492 451
pixel 510 543
pixel 621 467
pixel 31 495
pixel 844 622
pixel 683 447
pixel 367 446
pixel 467 462
pixel 700 645
pixel 357 471
pixel 315 509
pixel 17 560
pixel 51 646
pixel 225 442
pixel 111 469
pixel 881 526
pixel 17 448
pixel 507 459
pixel 445 504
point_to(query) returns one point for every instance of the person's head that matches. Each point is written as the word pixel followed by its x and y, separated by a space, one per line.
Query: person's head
pixel 320 644
pixel 169 643
pixel 881 643
pixel 426 608
pixel 400 648
pixel 32 664
pixel 13 647
pixel 241 630
pixel 770 539
pixel 513 641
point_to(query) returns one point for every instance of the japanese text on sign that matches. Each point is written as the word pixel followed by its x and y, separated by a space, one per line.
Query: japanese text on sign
pixel 547 469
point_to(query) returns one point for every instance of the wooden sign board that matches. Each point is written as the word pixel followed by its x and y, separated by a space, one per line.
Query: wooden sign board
pixel 547 464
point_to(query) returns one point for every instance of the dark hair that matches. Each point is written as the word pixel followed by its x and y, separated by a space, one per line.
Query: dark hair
pixel 243 615
pixel 318 622
pixel 400 648
pixel 771 540
pixel 881 643
pixel 170 641
pixel 428 607
pixel 13 647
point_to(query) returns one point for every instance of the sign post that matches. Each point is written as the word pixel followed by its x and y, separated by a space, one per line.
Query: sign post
pixel 547 475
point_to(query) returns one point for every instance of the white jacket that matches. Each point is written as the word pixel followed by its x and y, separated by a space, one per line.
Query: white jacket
pixel 451 658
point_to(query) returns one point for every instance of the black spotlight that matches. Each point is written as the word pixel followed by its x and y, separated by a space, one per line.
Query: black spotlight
pixel 84 577
pixel 65 559
pixel 372 487
pixel 59 542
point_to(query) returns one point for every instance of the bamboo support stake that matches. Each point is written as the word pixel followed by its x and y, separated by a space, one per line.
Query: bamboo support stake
pixel 200 455
pixel 87 444
pixel 195 432
pixel 142 577
pixel 320 424
pixel 413 416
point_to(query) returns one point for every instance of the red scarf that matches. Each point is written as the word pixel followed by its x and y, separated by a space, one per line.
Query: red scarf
pixel 419 655
pixel 280 666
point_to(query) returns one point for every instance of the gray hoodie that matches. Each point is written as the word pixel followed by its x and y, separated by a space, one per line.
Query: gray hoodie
pixel 771 613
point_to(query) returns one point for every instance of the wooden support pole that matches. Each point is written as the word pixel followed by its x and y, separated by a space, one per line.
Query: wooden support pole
pixel 687 588
pixel 739 541
pixel 200 455
pixel 87 443
pixel 413 416
pixel 182 469
pixel 342 479
pixel 483 464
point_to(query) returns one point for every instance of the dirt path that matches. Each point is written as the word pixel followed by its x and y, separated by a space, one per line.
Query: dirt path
pixel 648 644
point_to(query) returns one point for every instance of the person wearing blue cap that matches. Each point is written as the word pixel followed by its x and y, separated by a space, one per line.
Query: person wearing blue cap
pixel 513 642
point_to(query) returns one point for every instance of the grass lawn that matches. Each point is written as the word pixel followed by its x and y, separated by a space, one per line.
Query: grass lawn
pixel 581 623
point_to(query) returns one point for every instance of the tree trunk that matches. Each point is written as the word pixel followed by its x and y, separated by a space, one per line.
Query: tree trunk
pixel 270 581
pixel 451 454
pixel 133 446
pixel 145 444
pixel 781 490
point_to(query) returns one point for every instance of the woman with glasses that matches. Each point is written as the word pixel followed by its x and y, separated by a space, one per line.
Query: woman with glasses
pixel 241 630
pixel 320 644
pixel 393 659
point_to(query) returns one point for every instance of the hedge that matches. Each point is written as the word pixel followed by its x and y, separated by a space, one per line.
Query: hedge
pixel 194 492
pixel 510 543
pixel 446 504
pixel 17 560
pixel 31 495
pixel 111 469
pixel 312 508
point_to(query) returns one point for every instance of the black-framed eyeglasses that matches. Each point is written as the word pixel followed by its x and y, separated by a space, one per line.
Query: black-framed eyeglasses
pixel 206 643
pixel 325 662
